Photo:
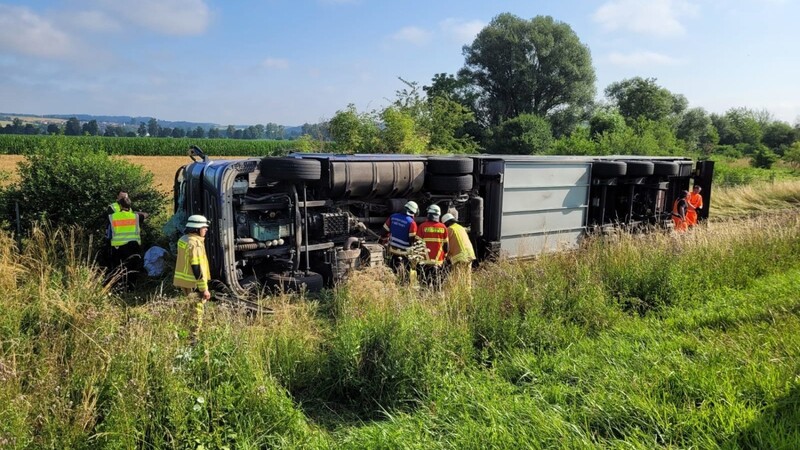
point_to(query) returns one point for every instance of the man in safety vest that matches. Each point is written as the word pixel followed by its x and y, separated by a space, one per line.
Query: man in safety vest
pixel 435 236
pixel 125 240
pixel 400 233
pixel 694 201
pixel 460 252
pixel 679 212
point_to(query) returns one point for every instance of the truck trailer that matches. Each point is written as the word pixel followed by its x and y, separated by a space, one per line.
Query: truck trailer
pixel 308 219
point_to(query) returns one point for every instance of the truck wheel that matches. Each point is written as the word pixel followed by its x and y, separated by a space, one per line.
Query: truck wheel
pixel 665 168
pixel 287 169
pixel 450 166
pixel 449 183
pixel 608 169
pixel 639 168
pixel 310 281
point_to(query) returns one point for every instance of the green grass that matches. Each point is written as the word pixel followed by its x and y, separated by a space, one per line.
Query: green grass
pixel 632 341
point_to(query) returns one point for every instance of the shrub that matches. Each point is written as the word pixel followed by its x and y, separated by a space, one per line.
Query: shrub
pixel 526 134
pixel 70 184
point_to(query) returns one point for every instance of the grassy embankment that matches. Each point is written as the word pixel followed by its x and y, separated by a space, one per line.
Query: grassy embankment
pixel 632 341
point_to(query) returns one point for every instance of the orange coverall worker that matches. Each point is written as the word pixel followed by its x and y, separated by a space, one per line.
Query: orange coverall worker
pixel 693 202
pixel 679 214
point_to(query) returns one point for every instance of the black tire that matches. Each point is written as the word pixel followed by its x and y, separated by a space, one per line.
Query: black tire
pixel 637 169
pixel 609 169
pixel 310 281
pixel 665 168
pixel 685 168
pixel 450 166
pixel 448 183
pixel 288 169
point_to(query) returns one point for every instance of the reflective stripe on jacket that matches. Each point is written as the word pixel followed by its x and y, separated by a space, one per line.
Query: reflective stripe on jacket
pixel 124 228
pixel 191 251
pixel 435 235
pixel 460 248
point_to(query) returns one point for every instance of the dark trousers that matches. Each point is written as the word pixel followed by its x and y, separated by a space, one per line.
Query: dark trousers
pixel 431 275
pixel 126 262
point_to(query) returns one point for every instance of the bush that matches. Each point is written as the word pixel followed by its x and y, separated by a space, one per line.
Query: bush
pixel 526 134
pixel 69 184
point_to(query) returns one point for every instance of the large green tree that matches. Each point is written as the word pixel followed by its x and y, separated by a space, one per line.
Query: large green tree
pixel 639 97
pixel 536 66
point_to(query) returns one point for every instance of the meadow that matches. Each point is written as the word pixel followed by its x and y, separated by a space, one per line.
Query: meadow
pixel 653 340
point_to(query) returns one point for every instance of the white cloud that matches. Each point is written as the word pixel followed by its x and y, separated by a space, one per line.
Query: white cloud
pixel 24 32
pixel 95 21
pixel 462 31
pixel 414 35
pixel 642 59
pixel 170 17
pixel 275 63
pixel 661 18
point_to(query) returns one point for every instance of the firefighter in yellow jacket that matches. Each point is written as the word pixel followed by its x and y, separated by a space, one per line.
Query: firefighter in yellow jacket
pixel 460 252
pixel 191 267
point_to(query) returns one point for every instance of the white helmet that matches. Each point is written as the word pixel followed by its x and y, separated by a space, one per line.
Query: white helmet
pixel 197 222
pixel 435 210
pixel 447 217
pixel 412 207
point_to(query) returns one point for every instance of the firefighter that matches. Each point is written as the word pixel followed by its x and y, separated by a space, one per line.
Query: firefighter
pixel 435 235
pixel 679 212
pixel 460 253
pixel 125 241
pixel 694 201
pixel 400 233
pixel 192 273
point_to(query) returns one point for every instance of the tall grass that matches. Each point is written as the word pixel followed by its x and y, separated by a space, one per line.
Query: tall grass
pixel 642 341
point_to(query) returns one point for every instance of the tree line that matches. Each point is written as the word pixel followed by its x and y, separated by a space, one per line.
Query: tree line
pixel 152 128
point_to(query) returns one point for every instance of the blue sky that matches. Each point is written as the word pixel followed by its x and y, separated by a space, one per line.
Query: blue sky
pixel 297 61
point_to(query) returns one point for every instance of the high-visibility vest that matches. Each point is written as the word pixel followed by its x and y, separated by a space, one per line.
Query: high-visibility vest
pixel 460 248
pixel 124 228
pixel 191 251
pixel 114 207
pixel 434 234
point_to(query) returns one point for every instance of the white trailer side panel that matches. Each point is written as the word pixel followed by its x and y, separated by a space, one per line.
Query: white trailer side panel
pixel 545 206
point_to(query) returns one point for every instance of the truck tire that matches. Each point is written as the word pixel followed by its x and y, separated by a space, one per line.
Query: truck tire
pixel 665 168
pixel 608 169
pixel 450 166
pixel 310 281
pixel 287 169
pixel 449 183
pixel 638 169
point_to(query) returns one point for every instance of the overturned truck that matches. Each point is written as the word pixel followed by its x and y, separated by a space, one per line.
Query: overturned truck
pixel 309 219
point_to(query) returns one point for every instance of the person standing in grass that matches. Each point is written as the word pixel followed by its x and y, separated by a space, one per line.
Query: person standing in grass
pixel 400 232
pixel 125 241
pixel 679 207
pixel 460 253
pixel 435 235
pixel 694 201
pixel 192 273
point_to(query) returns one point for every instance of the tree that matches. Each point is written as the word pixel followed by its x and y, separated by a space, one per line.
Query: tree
pixel 792 155
pixel 198 133
pixel 641 97
pixel 525 134
pixel 164 132
pixel 53 129
pixel 214 133
pixel 230 132
pixel 152 127
pixel 605 120
pixel 778 136
pixel 91 128
pixel 763 157
pixel 400 133
pixel 72 127
pixel 142 131
pixel 178 132
pixel 353 132
pixel 693 125
pixel 536 66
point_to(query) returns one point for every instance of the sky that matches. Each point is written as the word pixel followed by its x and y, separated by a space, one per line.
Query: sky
pixel 291 62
